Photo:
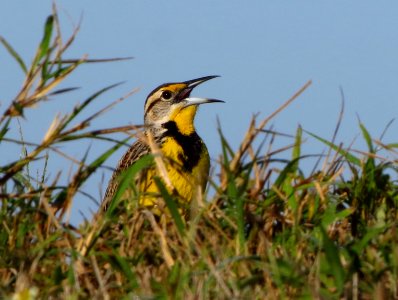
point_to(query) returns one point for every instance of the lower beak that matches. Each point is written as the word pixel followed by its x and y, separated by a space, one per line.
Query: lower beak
pixel 196 101
pixel 191 84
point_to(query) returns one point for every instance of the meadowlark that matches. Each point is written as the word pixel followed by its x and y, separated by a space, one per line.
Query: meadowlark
pixel 169 114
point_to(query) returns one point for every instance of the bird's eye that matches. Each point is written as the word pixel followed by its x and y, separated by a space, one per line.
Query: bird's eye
pixel 166 95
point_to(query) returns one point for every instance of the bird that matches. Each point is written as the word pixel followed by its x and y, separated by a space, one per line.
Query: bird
pixel 169 114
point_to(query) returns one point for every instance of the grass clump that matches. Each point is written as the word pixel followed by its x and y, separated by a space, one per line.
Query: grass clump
pixel 269 230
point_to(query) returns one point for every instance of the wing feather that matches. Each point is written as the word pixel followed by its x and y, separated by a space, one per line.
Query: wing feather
pixel 134 153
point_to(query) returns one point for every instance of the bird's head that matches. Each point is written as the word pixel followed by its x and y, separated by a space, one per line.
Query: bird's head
pixel 171 102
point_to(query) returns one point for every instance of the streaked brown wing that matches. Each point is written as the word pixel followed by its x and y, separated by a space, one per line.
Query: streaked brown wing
pixel 134 153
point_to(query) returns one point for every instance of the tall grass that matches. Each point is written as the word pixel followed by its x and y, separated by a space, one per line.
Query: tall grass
pixel 269 230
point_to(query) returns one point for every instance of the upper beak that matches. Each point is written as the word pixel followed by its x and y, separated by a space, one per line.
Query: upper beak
pixel 191 84
pixel 195 82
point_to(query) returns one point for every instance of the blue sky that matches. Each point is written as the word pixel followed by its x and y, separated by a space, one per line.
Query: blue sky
pixel 264 51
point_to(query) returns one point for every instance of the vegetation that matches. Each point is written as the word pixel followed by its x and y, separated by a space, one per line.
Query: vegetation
pixel 269 230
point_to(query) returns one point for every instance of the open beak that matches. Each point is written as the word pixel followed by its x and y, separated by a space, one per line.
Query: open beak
pixel 191 84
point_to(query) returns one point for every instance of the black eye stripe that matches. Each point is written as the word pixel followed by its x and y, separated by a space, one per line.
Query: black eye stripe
pixel 150 106
pixel 166 95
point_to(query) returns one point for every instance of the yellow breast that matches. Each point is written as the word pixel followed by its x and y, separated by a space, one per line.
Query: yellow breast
pixel 186 182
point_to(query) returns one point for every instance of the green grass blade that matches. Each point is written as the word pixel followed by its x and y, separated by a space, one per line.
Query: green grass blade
pixel 14 54
pixel 92 167
pixel 63 91
pixel 351 158
pixel 392 145
pixel 86 102
pixel 126 177
pixel 331 214
pixel 86 171
pixel 290 168
pixel 237 209
pixel 370 234
pixel 122 264
pixel 367 137
pixel 240 217
pixel 5 129
pixel 333 260
pixel 171 205
pixel 45 42
pixel 297 144
pixel 226 148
